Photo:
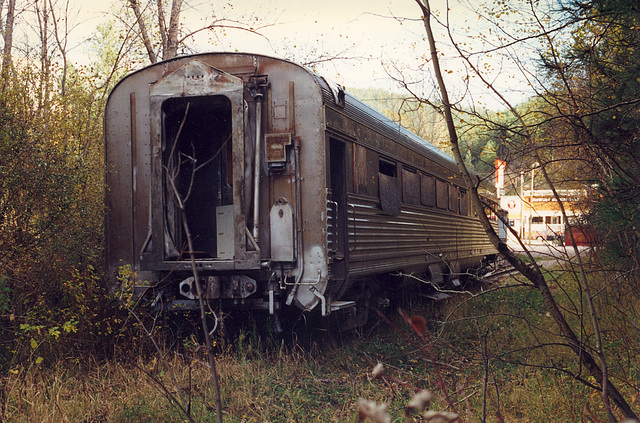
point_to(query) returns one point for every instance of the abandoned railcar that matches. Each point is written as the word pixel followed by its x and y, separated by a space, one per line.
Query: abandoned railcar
pixel 294 192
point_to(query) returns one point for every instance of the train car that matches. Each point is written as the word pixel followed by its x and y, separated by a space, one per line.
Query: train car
pixel 292 192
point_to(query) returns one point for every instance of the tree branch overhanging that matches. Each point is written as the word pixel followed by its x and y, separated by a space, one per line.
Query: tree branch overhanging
pixel 533 273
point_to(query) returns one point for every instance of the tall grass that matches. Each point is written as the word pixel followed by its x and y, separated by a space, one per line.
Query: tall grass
pixel 257 386
pixel 498 354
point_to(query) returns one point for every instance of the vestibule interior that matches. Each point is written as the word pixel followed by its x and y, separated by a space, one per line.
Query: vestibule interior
pixel 197 167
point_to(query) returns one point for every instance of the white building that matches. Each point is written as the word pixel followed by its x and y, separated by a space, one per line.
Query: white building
pixel 539 216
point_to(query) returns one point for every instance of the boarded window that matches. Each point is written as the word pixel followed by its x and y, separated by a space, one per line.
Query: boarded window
pixel 453 198
pixel 464 203
pixel 388 186
pixel 410 186
pixel 442 194
pixel 428 190
pixel 359 169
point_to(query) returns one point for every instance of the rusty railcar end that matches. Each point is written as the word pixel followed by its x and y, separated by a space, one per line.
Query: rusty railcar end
pixel 296 193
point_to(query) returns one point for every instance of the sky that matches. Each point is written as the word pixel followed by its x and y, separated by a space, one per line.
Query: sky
pixel 376 38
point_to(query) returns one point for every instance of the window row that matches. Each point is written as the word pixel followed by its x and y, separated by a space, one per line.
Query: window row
pixel 548 220
pixel 409 186
pixel 427 190
pixel 419 189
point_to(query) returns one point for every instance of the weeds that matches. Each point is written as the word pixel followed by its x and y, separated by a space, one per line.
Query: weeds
pixel 489 352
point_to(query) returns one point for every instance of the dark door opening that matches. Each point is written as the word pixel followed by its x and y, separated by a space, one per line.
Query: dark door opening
pixel 197 164
pixel 338 250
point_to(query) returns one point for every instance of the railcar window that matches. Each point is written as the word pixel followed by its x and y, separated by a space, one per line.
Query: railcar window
pixel 359 169
pixel 453 198
pixel 464 203
pixel 387 168
pixel 490 208
pixel 442 195
pixel 410 186
pixel 388 186
pixel 428 190
pixel 536 219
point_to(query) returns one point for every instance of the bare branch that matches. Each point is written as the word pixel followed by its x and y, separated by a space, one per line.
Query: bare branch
pixel 144 33
pixel 533 273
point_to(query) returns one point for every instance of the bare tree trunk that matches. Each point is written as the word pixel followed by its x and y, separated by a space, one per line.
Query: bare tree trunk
pixel 181 201
pixel 1 9
pixel 168 35
pixel 162 25
pixel 144 33
pixel 171 48
pixel 45 61
pixel 532 273
pixel 8 39
pixel 61 42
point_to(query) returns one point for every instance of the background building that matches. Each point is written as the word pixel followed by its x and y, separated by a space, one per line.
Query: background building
pixel 538 216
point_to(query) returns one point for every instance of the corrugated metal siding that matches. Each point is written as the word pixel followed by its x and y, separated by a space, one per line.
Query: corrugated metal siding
pixel 380 242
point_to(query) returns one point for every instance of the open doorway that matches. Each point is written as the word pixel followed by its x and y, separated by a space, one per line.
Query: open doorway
pixel 337 215
pixel 197 163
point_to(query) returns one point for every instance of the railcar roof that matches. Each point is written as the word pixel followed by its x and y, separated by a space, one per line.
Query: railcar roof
pixel 353 108
pixel 357 110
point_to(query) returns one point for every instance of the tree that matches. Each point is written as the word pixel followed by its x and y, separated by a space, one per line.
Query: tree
pixel 50 215
pixel 405 110
pixel 51 167
pixel 112 54
pixel 164 39
pixel 591 356
pixel 7 34
pixel 167 32
pixel 606 91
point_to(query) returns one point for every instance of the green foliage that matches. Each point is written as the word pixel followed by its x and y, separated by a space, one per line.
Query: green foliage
pixel 139 411
pixel 479 143
pixel 52 297
pixel 112 54
pixel 5 296
pixel 615 222
pixel 606 51
pixel 469 338
pixel 421 119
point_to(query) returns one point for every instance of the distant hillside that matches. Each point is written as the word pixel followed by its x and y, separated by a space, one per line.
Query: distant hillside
pixel 420 119
pixel 478 147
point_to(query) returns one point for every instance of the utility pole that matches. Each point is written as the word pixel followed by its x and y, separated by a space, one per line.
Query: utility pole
pixel 533 166
pixel 521 204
